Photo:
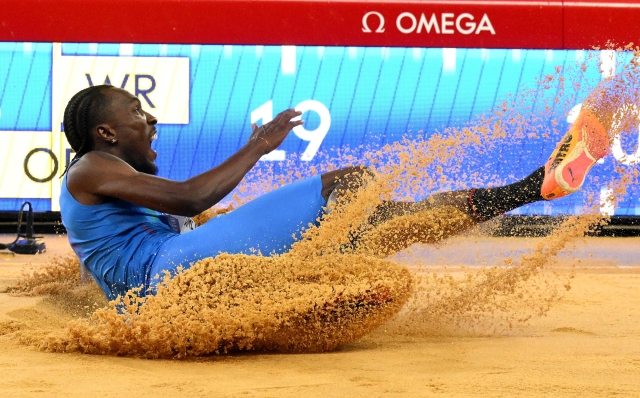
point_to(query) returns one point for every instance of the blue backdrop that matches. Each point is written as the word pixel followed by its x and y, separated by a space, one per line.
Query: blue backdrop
pixel 373 95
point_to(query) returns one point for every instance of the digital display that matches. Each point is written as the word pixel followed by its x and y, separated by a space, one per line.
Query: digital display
pixel 206 97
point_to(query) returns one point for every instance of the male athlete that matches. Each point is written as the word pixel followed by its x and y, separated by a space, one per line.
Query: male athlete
pixel 111 198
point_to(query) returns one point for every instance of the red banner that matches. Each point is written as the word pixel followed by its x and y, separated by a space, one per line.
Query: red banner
pixel 470 23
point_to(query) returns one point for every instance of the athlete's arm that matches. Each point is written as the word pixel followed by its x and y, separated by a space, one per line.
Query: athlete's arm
pixel 99 176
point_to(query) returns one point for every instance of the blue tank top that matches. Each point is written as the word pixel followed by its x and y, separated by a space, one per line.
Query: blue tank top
pixel 116 241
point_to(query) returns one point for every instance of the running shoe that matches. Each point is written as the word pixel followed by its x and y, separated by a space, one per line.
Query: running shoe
pixel 585 143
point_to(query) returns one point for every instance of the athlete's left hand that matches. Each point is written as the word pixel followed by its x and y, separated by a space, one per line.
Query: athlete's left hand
pixel 272 134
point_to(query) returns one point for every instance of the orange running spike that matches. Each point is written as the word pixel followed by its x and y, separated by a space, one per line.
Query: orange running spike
pixel 585 143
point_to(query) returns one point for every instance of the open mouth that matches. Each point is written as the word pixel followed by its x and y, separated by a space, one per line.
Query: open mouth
pixel 154 136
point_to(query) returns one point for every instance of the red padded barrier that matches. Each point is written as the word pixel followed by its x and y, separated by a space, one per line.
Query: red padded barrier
pixel 590 23
pixel 470 23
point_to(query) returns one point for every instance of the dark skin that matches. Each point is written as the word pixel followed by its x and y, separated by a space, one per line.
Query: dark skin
pixel 122 164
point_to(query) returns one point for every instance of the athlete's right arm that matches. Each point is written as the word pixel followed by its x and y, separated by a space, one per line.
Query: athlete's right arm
pixel 99 177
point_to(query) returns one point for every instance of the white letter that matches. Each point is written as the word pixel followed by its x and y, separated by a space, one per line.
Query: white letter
pixel 607 202
pixel 621 156
pixel 447 20
pixel 485 24
pixel 471 26
pixel 433 22
pixel 315 137
pixel 616 148
pixel 413 22
pixel 265 113
pixel 365 26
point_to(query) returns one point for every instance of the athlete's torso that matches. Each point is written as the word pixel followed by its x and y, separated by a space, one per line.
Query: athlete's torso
pixel 116 241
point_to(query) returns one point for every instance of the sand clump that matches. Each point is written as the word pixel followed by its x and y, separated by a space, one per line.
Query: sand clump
pixel 240 302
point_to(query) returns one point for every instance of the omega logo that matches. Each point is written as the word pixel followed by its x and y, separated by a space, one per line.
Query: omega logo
pixel 365 26
pixel 446 23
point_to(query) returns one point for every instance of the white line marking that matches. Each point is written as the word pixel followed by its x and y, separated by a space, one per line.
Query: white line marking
pixel 449 60
pixel 288 63
pixel 484 54
pixel 385 52
pixel 416 53
pixel 195 50
pixel 126 50
pixel 227 51
pixel 607 63
pixel 516 54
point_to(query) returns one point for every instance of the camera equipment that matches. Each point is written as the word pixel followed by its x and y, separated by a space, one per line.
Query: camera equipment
pixel 27 242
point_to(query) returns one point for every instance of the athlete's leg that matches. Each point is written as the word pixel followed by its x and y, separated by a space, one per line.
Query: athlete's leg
pixel 584 144
pixel 480 203
pixel 268 224
pixel 586 141
pixel 336 182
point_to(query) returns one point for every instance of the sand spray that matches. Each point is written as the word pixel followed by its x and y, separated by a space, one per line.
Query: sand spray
pixel 337 282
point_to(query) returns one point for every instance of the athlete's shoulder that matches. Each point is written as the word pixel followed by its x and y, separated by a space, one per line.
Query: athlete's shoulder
pixel 96 163
pixel 94 170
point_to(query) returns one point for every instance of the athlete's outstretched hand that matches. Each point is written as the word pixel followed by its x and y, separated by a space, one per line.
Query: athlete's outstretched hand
pixel 273 133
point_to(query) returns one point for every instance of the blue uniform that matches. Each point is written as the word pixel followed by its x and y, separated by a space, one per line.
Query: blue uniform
pixel 124 246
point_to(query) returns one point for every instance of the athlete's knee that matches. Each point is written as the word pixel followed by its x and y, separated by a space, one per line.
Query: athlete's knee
pixel 346 179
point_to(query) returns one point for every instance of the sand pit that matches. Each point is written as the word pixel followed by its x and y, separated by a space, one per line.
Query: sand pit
pixel 586 345
pixel 478 316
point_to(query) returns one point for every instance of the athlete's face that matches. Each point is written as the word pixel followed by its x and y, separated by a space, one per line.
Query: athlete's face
pixel 135 130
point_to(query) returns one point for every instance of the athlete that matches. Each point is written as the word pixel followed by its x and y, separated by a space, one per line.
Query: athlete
pixel 112 201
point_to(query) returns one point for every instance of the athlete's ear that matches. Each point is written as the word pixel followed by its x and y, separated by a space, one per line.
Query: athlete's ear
pixel 105 133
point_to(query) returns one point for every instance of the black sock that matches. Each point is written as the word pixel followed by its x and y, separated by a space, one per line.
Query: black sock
pixel 485 203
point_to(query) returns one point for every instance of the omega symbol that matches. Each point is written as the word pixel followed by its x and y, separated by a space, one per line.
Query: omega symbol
pixel 365 25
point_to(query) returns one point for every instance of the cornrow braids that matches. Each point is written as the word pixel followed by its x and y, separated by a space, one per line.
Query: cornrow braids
pixel 84 110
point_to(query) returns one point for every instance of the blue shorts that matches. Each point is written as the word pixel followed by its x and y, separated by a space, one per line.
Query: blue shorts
pixel 267 224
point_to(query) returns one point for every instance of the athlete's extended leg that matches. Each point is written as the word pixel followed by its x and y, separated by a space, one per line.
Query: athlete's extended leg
pixel 585 142
pixel 393 226
pixel 268 224
pixel 481 204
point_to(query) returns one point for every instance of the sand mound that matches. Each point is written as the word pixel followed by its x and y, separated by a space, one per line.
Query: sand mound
pixel 234 303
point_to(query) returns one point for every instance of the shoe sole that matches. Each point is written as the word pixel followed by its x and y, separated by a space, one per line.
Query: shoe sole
pixel 570 171
pixel 574 168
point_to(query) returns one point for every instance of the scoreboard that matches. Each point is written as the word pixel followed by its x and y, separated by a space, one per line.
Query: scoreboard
pixel 364 74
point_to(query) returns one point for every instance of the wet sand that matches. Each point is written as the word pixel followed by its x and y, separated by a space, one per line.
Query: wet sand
pixel 587 345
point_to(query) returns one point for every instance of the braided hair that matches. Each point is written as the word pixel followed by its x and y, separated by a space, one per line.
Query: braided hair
pixel 84 110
